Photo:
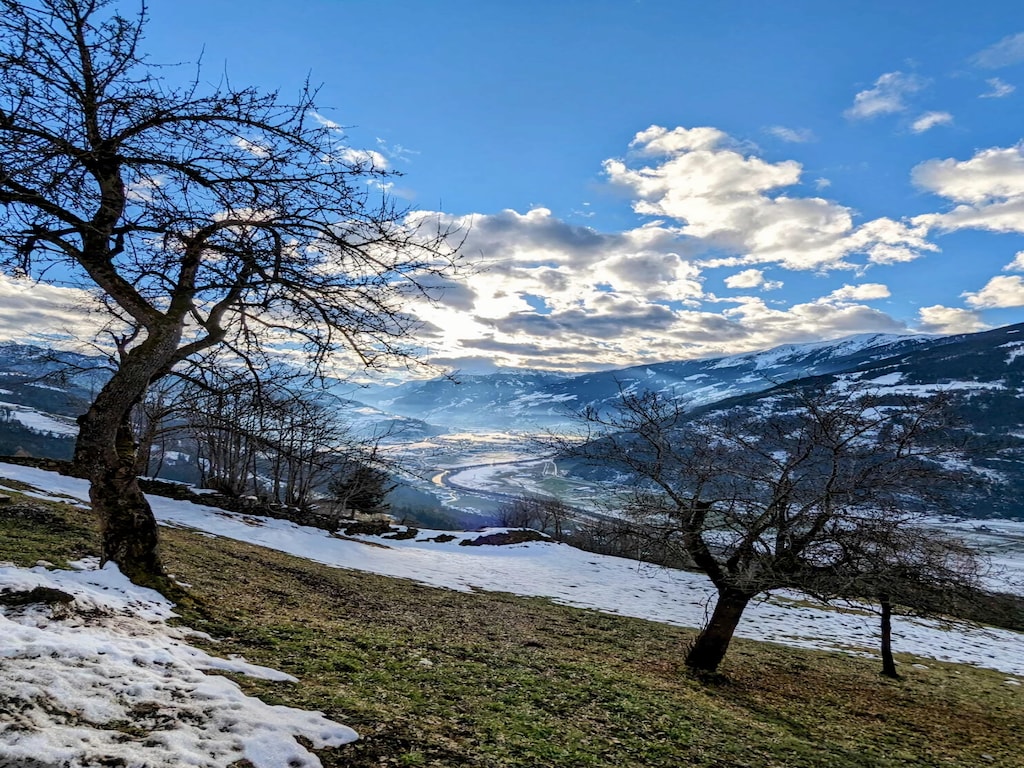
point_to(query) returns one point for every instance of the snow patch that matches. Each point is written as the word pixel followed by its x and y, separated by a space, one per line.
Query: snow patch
pixel 73 676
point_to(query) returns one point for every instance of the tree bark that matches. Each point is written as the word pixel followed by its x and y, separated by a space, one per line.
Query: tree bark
pixel 711 644
pixel 105 454
pixel 888 663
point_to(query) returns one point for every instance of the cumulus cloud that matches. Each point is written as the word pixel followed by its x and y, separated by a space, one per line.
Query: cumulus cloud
pixel 929 120
pixel 886 97
pixel 991 175
pixel 1017 265
pixel 949 320
pixel 792 135
pixel 548 293
pixel 997 89
pixel 748 278
pixel 554 295
pixel 989 190
pixel 734 205
pixel 853 293
pixel 1000 292
pixel 765 326
pixel 47 313
pixel 1009 50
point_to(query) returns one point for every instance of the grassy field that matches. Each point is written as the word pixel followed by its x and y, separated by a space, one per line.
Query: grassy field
pixel 431 677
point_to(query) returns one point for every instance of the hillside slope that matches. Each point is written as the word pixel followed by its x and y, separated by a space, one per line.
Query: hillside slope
pixel 436 677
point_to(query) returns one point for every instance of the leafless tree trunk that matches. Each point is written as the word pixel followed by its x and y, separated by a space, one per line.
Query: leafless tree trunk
pixel 888 663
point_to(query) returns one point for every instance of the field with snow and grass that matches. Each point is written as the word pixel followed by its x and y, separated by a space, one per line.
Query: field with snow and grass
pixel 577 578
pixel 440 654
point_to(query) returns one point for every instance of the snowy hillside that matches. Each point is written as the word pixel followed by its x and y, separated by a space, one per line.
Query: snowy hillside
pixel 527 399
pixel 577 578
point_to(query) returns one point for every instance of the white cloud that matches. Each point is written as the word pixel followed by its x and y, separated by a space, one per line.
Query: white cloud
pixel 887 241
pixel 929 120
pixel 822 183
pixel 861 292
pixel 732 205
pixel 657 140
pixel 792 135
pixel 254 148
pixel 765 327
pixel 752 278
pixel 1017 265
pixel 885 98
pixel 748 278
pixel 991 175
pixel 326 122
pixel 370 157
pixel 949 320
pixel 989 188
pixel 1009 50
pixel 550 294
pixel 1000 292
pixel 396 151
pixel 997 89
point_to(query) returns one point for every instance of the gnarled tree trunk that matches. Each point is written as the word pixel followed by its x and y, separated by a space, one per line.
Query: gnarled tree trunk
pixel 711 644
pixel 105 454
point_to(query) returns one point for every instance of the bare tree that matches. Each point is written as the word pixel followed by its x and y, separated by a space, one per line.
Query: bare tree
pixel 759 496
pixel 307 440
pixel 224 422
pixel 206 216
pixel 360 484
pixel 541 513
pixel 905 567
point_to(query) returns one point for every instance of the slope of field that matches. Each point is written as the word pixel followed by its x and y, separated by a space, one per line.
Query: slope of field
pixel 461 677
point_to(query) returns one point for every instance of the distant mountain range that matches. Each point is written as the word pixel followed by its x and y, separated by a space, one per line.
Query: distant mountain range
pixel 528 400
pixel 41 392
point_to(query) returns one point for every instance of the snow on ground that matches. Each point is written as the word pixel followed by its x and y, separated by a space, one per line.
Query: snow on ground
pixel 40 422
pixel 1001 540
pixel 75 675
pixel 582 579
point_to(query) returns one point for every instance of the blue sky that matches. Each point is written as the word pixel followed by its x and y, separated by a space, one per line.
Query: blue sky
pixel 656 180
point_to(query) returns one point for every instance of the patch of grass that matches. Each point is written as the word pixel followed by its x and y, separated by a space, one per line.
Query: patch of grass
pixel 431 677
pixel 68 533
pixel 438 678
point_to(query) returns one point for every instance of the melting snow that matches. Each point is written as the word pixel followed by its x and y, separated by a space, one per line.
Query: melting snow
pixel 73 674
pixel 573 577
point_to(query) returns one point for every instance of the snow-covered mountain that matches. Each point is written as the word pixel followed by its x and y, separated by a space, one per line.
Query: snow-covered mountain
pixel 523 400
pixel 984 372
pixel 981 374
